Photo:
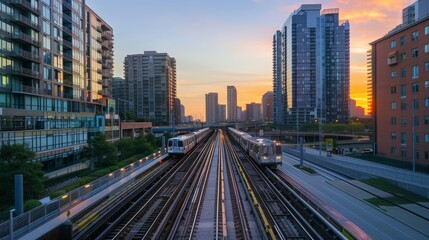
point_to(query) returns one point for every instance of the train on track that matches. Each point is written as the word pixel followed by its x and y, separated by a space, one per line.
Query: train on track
pixel 180 145
pixel 264 151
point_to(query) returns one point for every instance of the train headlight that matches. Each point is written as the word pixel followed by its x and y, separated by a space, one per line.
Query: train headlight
pixel 265 158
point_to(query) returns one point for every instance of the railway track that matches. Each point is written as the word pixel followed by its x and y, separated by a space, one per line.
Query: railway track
pixel 138 216
pixel 280 220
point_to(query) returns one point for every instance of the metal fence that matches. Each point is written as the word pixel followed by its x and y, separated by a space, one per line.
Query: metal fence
pixel 41 214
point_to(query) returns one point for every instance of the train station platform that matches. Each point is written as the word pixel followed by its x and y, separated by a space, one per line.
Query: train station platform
pixel 351 201
pixel 62 218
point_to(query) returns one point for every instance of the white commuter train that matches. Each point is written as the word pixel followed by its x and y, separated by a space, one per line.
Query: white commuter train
pixel 264 151
pixel 180 145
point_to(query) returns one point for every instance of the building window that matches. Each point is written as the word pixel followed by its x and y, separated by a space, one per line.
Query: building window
pixel 393 151
pixel 393 44
pixel 402 40
pixel 403 121
pixel 415 71
pixel 415 104
pixel 426 102
pixel 415 52
pixel 426 120
pixel 403 91
pixel 426 66
pixel 414 35
pixel 403 106
pixel 426 84
pixel 426 137
pixel 403 72
pixel 393 136
pixel 426 30
pixel 403 138
pixel 403 153
pixel 393 105
pixel 426 155
pixel 393 90
pixel 426 48
pixel 393 120
pixel 416 120
pixel 415 87
pixel 402 57
pixel 416 138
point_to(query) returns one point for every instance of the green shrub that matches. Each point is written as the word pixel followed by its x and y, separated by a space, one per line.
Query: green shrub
pixel 57 194
pixel 30 204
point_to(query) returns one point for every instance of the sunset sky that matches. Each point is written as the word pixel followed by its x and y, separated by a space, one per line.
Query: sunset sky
pixel 222 42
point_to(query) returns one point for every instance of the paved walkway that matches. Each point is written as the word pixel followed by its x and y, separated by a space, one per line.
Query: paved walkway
pixel 349 202
pixel 55 222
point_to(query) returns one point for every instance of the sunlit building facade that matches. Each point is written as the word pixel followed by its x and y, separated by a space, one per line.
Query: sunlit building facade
pixel 400 70
pixel 48 99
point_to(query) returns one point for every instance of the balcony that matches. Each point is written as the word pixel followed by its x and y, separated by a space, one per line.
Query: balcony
pixel 26 55
pixel 24 72
pixel 67 30
pixel 99 70
pixel 24 5
pixel 31 90
pixel 22 37
pixel 67 43
pixel 67 17
pixel 24 21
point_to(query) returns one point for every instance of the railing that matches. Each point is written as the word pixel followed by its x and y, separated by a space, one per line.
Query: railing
pixel 41 214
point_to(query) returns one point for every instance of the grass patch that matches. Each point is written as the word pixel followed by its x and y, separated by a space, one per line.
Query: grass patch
pixel 389 187
pixel 307 169
pixel 389 201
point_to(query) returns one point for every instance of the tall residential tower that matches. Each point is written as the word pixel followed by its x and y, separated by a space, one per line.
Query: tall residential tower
pixel 311 60
pixel 232 103
pixel 151 82
pixel 55 71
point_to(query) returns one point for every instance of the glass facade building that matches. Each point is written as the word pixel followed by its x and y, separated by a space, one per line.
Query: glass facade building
pixel 311 67
pixel 48 99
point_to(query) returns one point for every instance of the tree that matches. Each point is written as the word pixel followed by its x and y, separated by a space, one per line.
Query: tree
pixel 100 151
pixel 126 147
pixel 17 159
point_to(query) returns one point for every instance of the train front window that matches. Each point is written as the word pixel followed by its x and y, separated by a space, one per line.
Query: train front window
pixel 278 150
pixel 180 144
pixel 264 150
pixel 170 143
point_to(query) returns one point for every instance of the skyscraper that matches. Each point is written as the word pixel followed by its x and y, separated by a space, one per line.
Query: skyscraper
pixel 253 112
pixel 54 77
pixel 278 82
pixel 221 113
pixel 232 103
pixel 212 108
pixel 313 63
pixel 267 106
pixel 151 84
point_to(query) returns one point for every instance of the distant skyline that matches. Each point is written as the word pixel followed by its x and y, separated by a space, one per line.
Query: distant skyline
pixel 220 43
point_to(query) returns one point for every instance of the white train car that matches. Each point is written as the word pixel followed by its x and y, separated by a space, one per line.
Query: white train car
pixel 264 151
pixel 181 145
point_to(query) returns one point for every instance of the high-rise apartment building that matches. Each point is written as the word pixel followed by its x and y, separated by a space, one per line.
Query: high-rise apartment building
pixel 151 84
pixel 119 93
pixel 253 112
pixel 51 90
pixel 314 67
pixel 267 106
pixel 400 70
pixel 232 103
pixel 278 81
pixel 212 108
pixel 222 113
pixel 177 111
